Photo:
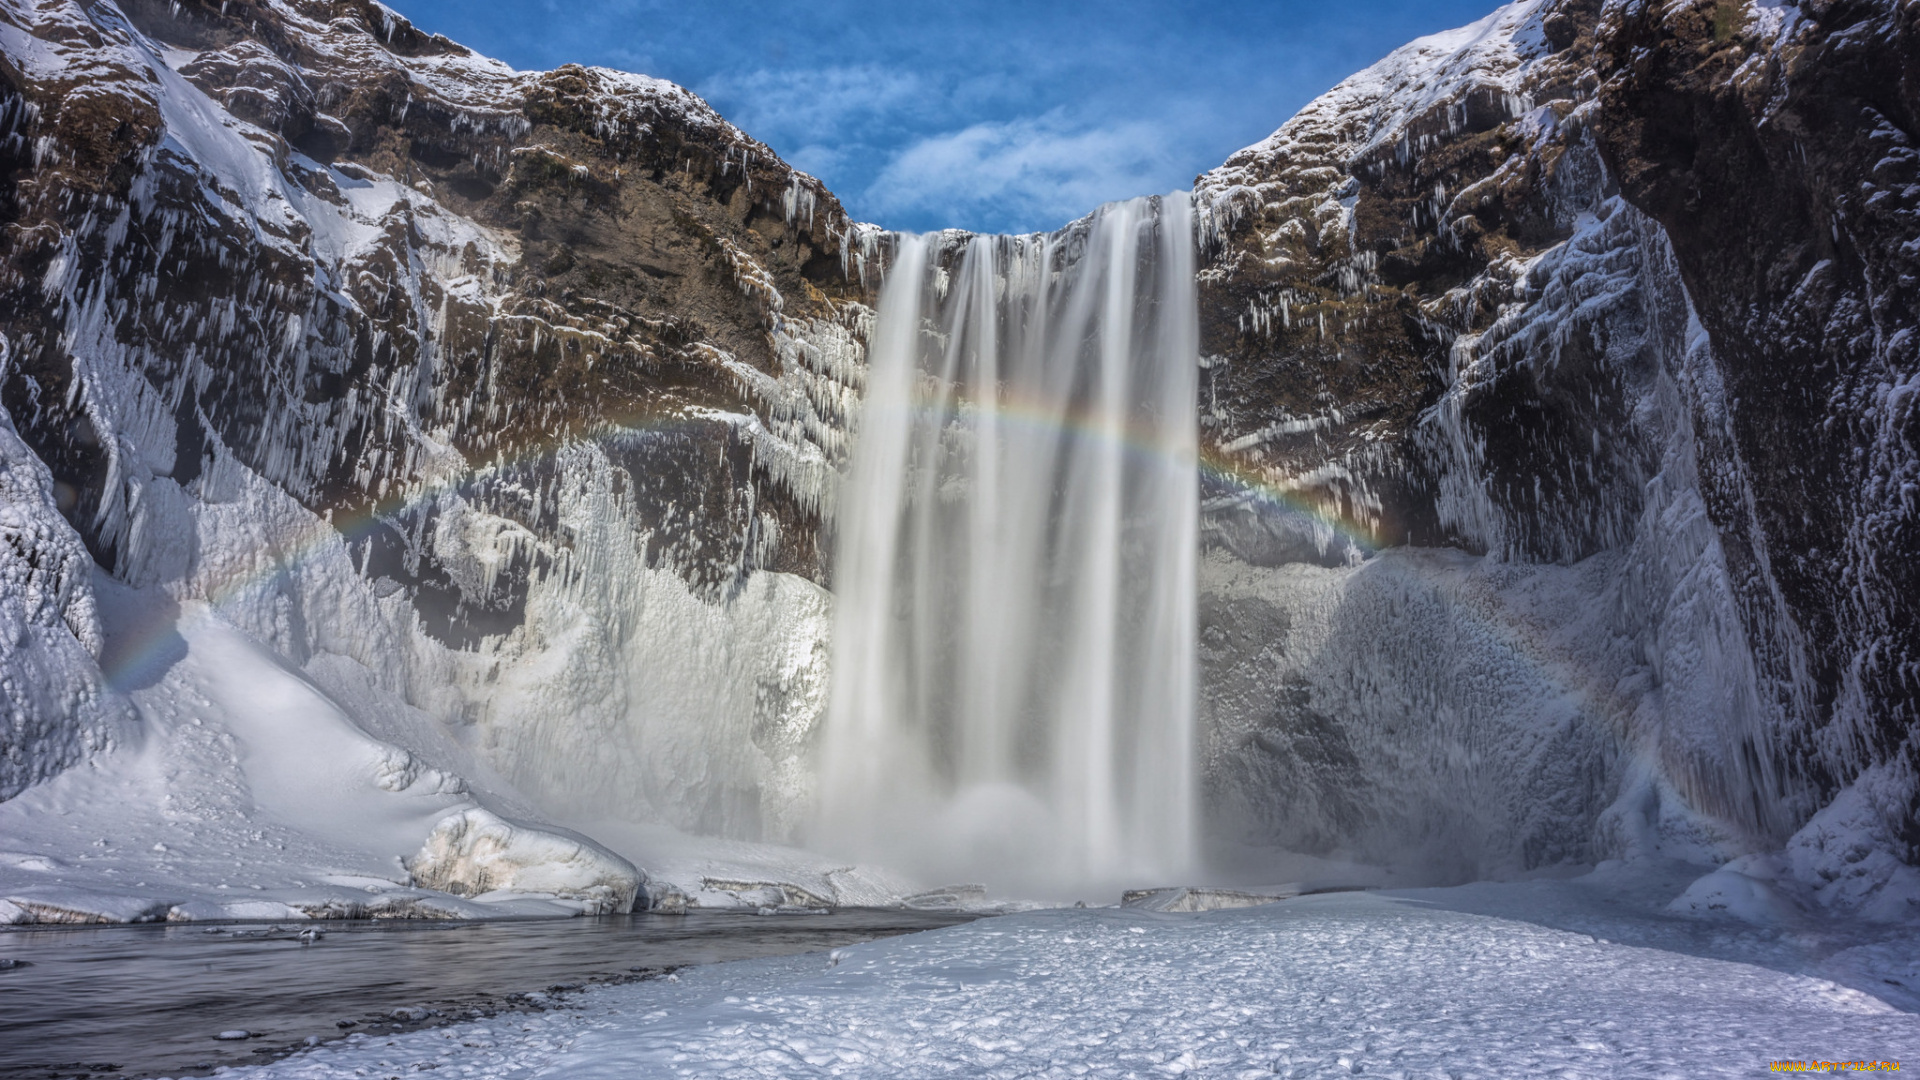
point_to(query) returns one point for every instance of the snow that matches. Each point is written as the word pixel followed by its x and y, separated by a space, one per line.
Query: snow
pixel 1845 850
pixel 1572 978
pixel 1739 895
pixel 246 793
pixel 474 852
pixel 1385 104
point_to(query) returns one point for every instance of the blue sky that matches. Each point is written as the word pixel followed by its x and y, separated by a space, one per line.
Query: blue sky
pixel 993 115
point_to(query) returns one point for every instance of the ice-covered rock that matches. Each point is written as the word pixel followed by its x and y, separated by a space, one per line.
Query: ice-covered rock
pixel 383 513
pixel 475 853
pixel 1469 298
pixel 1187 898
pixel 1847 851
pixel 54 707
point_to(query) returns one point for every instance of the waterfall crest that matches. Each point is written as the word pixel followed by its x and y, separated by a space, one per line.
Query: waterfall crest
pixel 1013 664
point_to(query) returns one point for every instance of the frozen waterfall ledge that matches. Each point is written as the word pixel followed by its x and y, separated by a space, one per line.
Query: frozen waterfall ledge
pixel 478 854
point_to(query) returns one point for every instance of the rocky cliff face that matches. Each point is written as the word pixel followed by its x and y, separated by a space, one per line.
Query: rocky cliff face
pixel 1618 296
pixel 1778 150
pixel 1557 395
pixel 457 324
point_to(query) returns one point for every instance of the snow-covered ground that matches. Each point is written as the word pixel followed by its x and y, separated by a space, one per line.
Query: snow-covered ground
pixel 1579 978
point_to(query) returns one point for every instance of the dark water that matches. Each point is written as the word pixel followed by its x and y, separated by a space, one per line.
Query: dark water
pixel 133 1001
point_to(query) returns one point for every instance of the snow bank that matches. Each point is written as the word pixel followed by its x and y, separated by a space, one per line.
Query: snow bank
pixel 1845 852
pixel 1730 892
pixel 249 793
pixel 473 852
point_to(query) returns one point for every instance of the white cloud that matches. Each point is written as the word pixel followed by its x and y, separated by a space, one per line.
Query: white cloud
pixel 1028 173
pixel 813 105
pixel 865 130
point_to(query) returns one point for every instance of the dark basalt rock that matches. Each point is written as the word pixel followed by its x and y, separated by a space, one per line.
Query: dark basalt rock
pixel 1352 274
pixel 650 235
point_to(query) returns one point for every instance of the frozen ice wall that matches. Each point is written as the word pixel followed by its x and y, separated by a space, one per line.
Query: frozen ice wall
pixel 1013 646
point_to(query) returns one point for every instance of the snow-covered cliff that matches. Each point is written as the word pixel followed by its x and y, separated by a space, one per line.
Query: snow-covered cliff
pixel 1484 295
pixel 503 406
pixel 1555 405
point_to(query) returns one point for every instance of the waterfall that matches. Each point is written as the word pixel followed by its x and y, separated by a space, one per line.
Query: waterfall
pixel 1013 664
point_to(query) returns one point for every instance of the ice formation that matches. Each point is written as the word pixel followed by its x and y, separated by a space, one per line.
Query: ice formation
pixel 474 852
pixel 56 712
pixel 1013 637
pixel 1449 250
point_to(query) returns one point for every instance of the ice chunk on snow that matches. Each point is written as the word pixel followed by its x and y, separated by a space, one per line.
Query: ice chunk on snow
pixel 399 770
pixel 1729 892
pixel 949 898
pixel 473 852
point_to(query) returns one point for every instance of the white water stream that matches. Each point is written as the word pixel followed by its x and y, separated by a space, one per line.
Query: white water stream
pixel 1013 672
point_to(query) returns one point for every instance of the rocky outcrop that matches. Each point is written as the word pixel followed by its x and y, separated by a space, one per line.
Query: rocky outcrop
pixel 368 263
pixel 1777 148
pixel 426 307
pixel 55 713
pixel 1622 290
